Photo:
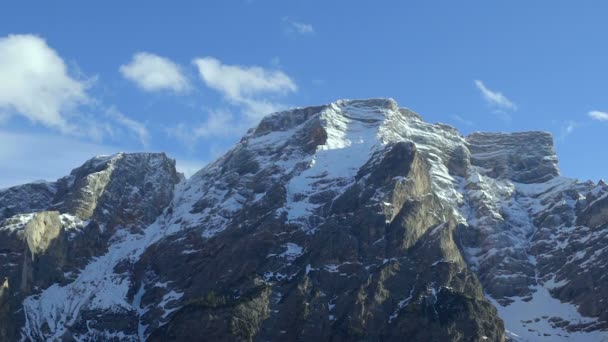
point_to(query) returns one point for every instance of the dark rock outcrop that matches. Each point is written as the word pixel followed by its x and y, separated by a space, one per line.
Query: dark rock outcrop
pixel 63 233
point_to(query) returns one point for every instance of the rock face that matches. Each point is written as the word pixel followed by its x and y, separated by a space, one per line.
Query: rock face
pixel 526 157
pixel 350 221
pixel 65 225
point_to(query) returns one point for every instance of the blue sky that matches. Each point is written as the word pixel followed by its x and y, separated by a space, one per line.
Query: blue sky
pixel 190 77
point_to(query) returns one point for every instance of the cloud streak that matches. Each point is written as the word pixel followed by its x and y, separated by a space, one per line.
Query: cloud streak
pixel 219 124
pixel 302 27
pixel 153 73
pixel 597 115
pixel 298 27
pixel 568 128
pixel 136 127
pixel 462 120
pixel 495 98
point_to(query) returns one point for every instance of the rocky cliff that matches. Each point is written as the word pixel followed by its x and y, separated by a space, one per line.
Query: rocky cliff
pixel 355 220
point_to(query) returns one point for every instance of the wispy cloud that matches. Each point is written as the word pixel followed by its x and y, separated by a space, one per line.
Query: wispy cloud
pixel 292 26
pixel 134 126
pixel 495 98
pixel 219 123
pixel 503 115
pixel 597 115
pixel 462 120
pixel 151 72
pixel 568 128
pixel 302 27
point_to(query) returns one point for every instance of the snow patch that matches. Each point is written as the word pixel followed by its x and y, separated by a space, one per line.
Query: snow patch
pixel 530 320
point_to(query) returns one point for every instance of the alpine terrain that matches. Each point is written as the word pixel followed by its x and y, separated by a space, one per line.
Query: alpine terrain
pixel 352 221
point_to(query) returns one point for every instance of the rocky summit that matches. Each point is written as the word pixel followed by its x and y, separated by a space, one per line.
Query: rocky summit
pixel 353 221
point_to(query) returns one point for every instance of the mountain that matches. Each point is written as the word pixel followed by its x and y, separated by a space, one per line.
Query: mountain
pixel 355 220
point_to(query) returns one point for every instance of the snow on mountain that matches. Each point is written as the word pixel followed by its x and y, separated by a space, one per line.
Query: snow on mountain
pixel 357 217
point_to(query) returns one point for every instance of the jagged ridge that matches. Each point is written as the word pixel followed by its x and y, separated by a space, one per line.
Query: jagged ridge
pixel 353 220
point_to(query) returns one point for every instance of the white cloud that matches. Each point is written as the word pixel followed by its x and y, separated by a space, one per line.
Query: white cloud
pixel 154 73
pixel 246 86
pixel 35 83
pixel 292 26
pixel 237 82
pixel 495 98
pixel 253 90
pixel 597 115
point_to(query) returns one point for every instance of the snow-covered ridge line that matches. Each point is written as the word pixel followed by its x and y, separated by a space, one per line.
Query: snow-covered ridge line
pixel 504 193
pixel 354 130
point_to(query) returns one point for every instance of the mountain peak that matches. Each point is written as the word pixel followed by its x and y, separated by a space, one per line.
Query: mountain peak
pixel 284 120
pixel 354 220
